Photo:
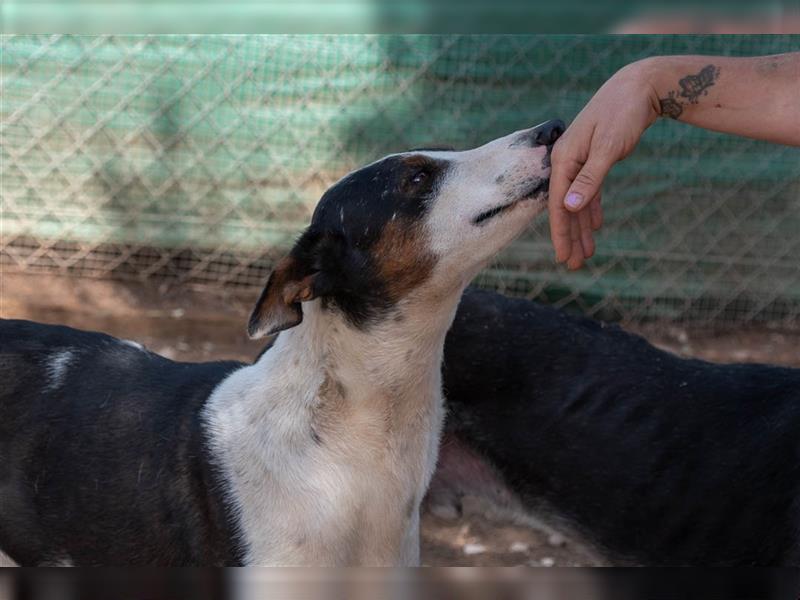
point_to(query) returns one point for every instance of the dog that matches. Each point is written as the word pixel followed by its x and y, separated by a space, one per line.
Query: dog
pixel 319 453
pixel 654 459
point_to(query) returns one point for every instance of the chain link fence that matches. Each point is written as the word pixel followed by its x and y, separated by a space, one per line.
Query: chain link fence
pixel 188 160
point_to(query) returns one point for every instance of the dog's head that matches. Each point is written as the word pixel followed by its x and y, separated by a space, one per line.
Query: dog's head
pixel 416 225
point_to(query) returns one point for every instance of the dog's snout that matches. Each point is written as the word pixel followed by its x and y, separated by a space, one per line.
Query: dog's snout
pixel 548 132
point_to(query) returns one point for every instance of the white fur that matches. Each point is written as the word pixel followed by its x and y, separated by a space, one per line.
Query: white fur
pixel 57 368
pixel 60 561
pixel 133 344
pixel 353 499
pixel 64 561
pixel 471 187
pixel 344 501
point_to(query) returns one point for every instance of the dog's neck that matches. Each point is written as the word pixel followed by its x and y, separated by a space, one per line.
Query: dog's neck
pixel 339 427
pixel 388 357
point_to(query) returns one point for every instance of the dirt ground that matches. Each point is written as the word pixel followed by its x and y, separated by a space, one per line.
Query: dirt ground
pixel 205 324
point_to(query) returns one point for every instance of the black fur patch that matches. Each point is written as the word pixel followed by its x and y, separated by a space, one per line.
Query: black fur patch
pixel 659 459
pixel 342 244
pixel 108 467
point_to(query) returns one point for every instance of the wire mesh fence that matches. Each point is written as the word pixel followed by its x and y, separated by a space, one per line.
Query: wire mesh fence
pixel 185 160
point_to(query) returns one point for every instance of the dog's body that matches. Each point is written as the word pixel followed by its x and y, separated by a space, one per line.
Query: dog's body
pixel 73 454
pixel 317 454
pixel 339 474
pixel 180 458
pixel 656 459
pixel 659 460
pixel 321 451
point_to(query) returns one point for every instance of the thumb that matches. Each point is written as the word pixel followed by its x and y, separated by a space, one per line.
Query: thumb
pixel 587 183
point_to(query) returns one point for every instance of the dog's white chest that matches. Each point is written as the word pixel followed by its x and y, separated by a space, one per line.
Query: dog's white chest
pixel 330 518
pixel 333 498
pixel 322 512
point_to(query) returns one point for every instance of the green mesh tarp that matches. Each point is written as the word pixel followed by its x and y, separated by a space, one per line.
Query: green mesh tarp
pixel 383 16
pixel 198 159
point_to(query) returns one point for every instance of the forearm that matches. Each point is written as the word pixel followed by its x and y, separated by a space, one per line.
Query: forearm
pixel 757 97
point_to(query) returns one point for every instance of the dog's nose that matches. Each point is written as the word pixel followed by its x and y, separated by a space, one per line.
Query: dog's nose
pixel 548 132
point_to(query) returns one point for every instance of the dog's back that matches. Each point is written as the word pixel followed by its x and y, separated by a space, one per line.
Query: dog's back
pixel 661 460
pixel 58 381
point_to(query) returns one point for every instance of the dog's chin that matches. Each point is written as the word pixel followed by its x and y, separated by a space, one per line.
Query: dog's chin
pixel 537 194
pixel 538 189
pixel 532 206
pixel 537 199
pixel 534 197
pixel 523 211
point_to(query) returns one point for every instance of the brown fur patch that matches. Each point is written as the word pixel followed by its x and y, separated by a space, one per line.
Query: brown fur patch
pixel 274 311
pixel 277 307
pixel 332 408
pixel 352 431
pixel 298 291
pixel 418 161
pixel 402 257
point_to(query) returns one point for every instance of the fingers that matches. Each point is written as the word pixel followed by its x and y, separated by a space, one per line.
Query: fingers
pixel 572 219
pixel 560 217
pixel 603 133
pixel 588 181
pixel 560 231
pixel 579 237
pixel 575 259
pixel 587 216
pixel 574 204
pixel 587 239
pixel 596 212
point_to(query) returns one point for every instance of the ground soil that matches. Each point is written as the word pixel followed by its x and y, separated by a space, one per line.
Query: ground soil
pixel 208 324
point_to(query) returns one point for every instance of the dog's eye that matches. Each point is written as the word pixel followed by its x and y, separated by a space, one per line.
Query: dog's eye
pixel 419 176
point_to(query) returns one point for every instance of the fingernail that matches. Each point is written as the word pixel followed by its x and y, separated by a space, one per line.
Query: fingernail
pixel 574 200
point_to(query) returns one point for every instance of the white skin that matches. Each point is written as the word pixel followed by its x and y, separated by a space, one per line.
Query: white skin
pixel 755 97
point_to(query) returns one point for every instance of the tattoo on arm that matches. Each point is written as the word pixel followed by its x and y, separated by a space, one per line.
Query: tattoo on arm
pixel 692 87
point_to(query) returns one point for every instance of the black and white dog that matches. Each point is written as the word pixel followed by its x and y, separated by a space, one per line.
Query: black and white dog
pixel 317 454
pixel 656 459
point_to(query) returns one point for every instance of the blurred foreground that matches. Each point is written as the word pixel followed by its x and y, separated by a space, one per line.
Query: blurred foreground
pixel 410 16
pixel 358 584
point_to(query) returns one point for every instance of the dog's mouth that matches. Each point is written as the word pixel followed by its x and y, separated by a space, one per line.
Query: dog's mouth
pixel 535 189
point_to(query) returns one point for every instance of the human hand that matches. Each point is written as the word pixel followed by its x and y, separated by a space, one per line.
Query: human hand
pixel 604 132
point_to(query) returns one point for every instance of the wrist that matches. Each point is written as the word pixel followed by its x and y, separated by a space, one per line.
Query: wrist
pixel 645 76
pixel 678 83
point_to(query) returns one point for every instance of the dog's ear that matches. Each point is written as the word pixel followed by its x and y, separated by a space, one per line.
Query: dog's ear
pixel 278 307
pixel 313 269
